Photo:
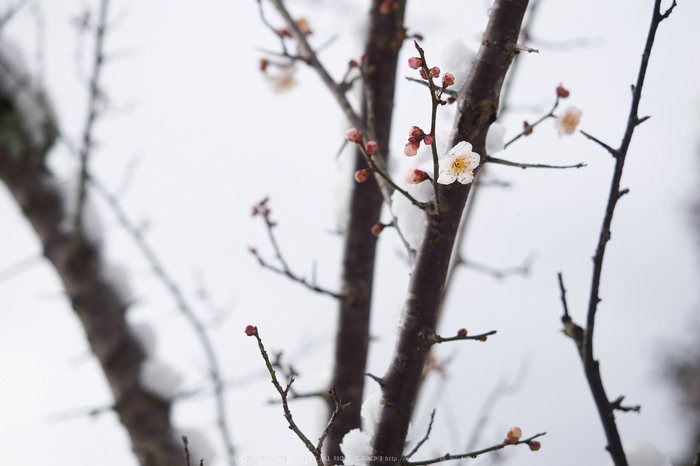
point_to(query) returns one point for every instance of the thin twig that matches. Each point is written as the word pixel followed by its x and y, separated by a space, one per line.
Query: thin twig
pixel 187 451
pixel 481 337
pixel 473 454
pixel 284 392
pixel 308 55
pixel 93 98
pixel 425 438
pixel 529 165
pixel 605 408
pixel 183 306
pixel 529 128
pixel 263 210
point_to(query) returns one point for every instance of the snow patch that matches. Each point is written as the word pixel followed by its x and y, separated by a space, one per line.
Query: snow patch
pixel 411 219
pixel 495 138
pixel 644 453
pixel 159 378
pixel 458 59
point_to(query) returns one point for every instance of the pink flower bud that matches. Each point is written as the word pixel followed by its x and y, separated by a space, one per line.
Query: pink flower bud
pixel 415 132
pixel 415 176
pixel 352 64
pixel 251 330
pixel 353 135
pixel 362 175
pixel 411 148
pixel 462 332
pixel 376 229
pixel 448 79
pixel 562 92
pixel 371 147
pixel 527 128
pixel 415 62
pixel 422 74
pixel 534 445
pixel 434 72
pixel 428 139
pixel 482 338
pixel 513 435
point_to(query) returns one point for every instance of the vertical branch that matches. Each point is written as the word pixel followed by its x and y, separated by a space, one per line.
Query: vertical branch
pixel 478 105
pixel 591 366
pixel 384 39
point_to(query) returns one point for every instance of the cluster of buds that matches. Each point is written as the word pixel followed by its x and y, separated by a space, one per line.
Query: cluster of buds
pixel 416 63
pixel 261 208
pixel 415 136
pixel 513 436
pixel 355 136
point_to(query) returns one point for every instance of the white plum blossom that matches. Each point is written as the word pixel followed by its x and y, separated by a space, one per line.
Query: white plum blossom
pixel 459 164
pixel 566 123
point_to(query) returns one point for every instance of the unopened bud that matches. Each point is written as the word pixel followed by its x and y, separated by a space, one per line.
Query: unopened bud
pixel 562 92
pixel 462 332
pixel 411 148
pixel 434 72
pixel 513 435
pixel 376 229
pixel 415 176
pixel 353 135
pixel 371 147
pixel 527 128
pixel 251 330
pixel 352 64
pixel 422 74
pixel 415 131
pixel 263 64
pixel 428 139
pixel 362 175
pixel 448 79
pixel 415 62
pixel 482 338
pixel 534 445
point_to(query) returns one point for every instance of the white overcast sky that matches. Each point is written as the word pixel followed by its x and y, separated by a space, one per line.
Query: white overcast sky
pixel 196 137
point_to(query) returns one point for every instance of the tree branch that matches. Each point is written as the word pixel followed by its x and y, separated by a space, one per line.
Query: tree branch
pixel 591 366
pixel 478 105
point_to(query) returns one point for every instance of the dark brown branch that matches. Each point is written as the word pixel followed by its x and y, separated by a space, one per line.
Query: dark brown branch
pixel 385 34
pixel 478 105
pixel 592 369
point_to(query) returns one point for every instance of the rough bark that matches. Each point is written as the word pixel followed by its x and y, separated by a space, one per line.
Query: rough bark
pixel 384 39
pixel 478 105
